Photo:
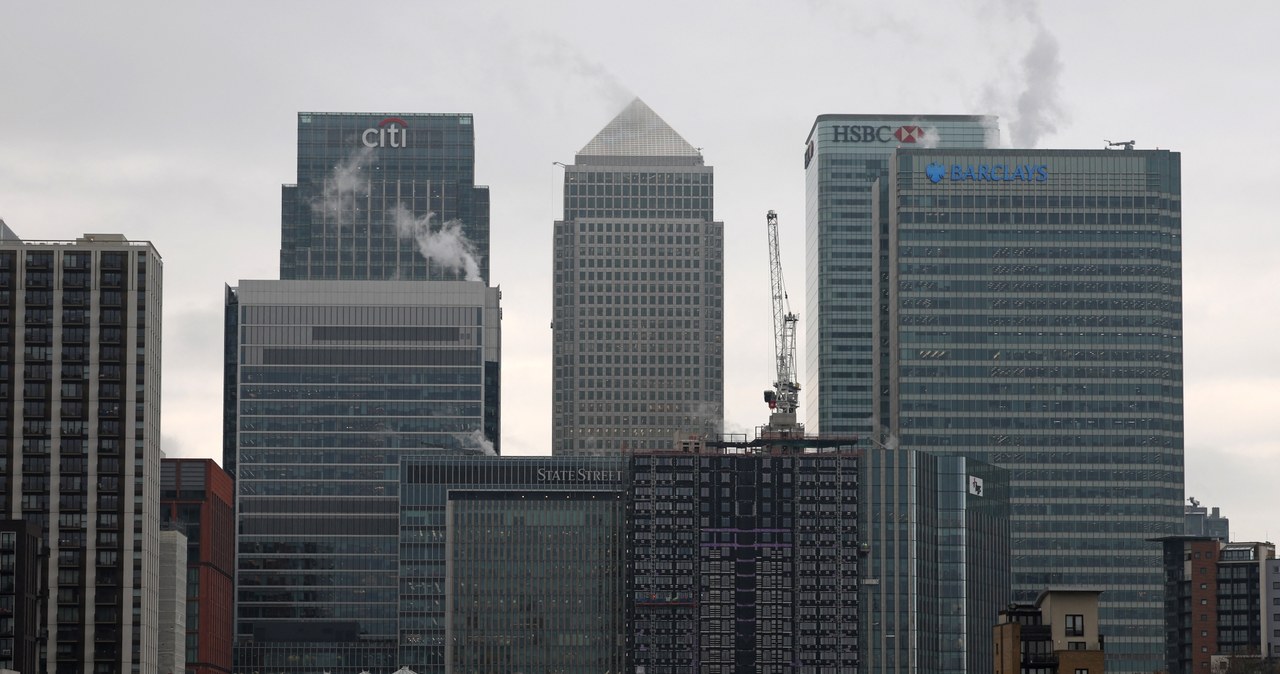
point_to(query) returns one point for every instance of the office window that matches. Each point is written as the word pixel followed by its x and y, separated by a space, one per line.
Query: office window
pixel 1075 625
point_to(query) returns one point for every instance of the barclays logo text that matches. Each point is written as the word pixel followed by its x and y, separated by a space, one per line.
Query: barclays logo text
pixel 956 173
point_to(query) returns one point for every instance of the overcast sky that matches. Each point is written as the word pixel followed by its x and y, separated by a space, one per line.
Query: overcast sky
pixel 176 123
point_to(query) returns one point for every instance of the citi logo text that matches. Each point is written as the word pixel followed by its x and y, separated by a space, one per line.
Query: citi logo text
pixel 390 132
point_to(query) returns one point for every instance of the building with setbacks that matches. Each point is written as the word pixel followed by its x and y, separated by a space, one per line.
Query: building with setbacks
pixel 638 305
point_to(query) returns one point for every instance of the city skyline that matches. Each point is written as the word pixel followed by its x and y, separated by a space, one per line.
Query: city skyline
pixel 188 152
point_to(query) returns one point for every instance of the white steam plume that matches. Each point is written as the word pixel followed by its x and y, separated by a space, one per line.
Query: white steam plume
pixel 447 246
pixel 1038 105
pixel 343 184
pixel 475 440
pixel 930 138
pixel 1032 102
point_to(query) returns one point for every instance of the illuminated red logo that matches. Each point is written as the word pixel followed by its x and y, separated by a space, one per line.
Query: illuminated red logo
pixel 908 134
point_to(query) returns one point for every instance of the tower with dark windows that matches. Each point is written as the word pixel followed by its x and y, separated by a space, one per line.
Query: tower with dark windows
pixel 80 441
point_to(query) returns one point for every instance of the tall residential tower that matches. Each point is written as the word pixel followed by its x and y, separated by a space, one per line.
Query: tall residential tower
pixel 80 439
pixel 639 292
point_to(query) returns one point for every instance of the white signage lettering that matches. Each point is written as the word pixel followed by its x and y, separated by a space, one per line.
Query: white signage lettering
pixel 390 132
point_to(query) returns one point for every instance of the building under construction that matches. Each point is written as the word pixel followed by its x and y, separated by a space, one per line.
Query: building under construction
pixel 743 557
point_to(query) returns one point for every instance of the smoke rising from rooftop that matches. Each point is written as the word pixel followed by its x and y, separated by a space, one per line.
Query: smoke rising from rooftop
pixel 446 245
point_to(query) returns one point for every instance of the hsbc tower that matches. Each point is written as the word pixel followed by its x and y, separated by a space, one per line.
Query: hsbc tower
pixel 846 163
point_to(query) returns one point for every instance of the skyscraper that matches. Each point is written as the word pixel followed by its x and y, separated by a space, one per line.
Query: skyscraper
pixel 380 340
pixel 846 306
pixel 366 186
pixel 80 434
pixel 1036 312
pixel 639 292
pixel 934 536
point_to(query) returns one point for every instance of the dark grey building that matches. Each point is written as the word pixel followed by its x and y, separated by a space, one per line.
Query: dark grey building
pixel 367 183
pixel 335 382
pixel 846 174
pixel 22 587
pixel 1036 313
pixel 934 538
pixel 80 439
pixel 743 562
pixel 639 293
pixel 512 564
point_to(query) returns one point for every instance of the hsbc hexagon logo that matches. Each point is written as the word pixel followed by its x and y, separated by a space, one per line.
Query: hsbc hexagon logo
pixel 909 134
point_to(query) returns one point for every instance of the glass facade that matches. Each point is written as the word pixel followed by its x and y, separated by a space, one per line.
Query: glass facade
pixel 639 293
pixel 935 560
pixel 335 382
pixel 743 563
pixel 512 565
pixel 1036 313
pixel 366 183
pixel 846 298
pixel 80 439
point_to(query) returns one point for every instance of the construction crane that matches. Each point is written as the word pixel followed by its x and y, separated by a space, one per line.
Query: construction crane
pixel 784 398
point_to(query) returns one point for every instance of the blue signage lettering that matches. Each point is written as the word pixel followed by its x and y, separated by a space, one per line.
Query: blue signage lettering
pixel 958 173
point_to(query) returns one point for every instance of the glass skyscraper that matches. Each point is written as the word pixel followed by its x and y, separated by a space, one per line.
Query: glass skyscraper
pixel 1036 312
pixel 336 380
pixel 80 440
pixel 366 184
pixel 846 303
pixel 934 538
pixel 639 293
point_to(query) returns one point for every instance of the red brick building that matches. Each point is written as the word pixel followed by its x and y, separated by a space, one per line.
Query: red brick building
pixel 196 496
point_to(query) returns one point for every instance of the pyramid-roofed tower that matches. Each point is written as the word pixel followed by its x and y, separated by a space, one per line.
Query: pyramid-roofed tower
pixel 638 131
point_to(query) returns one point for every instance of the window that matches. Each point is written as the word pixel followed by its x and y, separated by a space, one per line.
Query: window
pixel 1075 645
pixel 1075 625
pixel 1082 670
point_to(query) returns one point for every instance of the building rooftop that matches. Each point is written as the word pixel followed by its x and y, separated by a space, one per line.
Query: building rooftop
pixel 638 131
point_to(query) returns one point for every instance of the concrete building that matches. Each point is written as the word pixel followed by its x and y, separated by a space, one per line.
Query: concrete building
pixel 196 497
pixel 1217 601
pixel 934 539
pixel 846 165
pixel 743 562
pixel 1203 521
pixel 374 189
pixel 80 439
pixel 336 381
pixel 638 320
pixel 172 642
pixel 1035 305
pixel 1058 634
pixel 22 592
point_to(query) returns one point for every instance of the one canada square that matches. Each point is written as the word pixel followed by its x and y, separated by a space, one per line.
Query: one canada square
pixel 639 292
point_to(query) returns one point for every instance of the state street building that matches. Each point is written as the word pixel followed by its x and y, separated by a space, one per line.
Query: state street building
pixel 639 293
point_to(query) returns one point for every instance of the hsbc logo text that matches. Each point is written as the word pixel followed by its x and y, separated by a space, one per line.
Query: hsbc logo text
pixel 877 134
pixel 390 132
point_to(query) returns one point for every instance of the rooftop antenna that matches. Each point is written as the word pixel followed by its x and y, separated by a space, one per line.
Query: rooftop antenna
pixel 1125 144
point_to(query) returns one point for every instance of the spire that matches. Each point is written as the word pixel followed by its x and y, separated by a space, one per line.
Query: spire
pixel 638 131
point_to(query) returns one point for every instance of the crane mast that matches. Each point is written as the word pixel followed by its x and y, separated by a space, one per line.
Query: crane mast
pixel 784 398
